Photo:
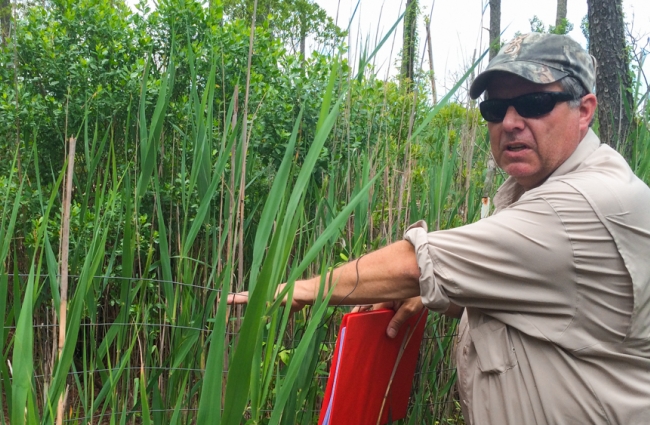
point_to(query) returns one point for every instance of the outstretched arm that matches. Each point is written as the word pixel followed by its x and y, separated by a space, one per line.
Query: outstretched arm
pixel 383 276
pixel 390 273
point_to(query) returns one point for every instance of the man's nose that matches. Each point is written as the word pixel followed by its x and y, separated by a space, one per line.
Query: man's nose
pixel 512 120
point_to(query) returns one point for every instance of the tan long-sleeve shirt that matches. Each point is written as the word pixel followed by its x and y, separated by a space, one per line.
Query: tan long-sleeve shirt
pixel 556 286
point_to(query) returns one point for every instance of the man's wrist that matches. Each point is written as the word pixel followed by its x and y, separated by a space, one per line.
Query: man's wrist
pixel 305 291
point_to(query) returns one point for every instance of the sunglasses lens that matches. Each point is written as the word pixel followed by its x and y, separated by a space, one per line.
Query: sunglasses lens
pixel 493 110
pixel 534 104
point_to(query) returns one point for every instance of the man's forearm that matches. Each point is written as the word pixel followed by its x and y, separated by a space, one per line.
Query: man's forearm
pixel 390 273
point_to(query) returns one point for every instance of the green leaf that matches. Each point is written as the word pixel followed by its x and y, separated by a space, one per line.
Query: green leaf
pixel 149 144
pixel 23 363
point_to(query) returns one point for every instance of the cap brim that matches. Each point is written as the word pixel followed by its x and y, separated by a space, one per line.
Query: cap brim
pixel 481 82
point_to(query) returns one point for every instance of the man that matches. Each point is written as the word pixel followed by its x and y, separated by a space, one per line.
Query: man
pixel 555 284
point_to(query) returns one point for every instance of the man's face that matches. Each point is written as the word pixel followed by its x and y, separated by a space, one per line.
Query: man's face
pixel 530 149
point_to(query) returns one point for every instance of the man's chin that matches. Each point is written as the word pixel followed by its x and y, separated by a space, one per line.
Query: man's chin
pixel 519 170
pixel 524 175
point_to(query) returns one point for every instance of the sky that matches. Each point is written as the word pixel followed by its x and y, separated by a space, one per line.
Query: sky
pixel 459 27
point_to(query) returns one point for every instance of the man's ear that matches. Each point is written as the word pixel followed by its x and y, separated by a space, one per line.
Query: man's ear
pixel 588 105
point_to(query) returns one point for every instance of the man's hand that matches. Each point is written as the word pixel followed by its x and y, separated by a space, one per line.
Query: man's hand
pixel 296 303
pixel 404 310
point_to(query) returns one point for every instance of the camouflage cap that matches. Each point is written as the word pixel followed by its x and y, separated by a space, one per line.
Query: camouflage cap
pixel 542 59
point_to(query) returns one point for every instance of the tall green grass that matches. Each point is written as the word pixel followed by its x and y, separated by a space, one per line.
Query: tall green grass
pixel 168 349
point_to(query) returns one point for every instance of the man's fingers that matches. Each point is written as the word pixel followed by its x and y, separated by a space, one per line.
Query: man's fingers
pixel 242 298
pixel 406 310
pixel 360 308
pixel 396 323
pixel 390 305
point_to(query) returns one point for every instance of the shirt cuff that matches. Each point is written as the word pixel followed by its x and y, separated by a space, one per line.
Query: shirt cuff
pixel 433 295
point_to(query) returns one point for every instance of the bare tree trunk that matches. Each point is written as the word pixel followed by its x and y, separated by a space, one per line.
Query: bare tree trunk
pixel 495 44
pixel 302 48
pixel 613 82
pixel 468 143
pixel 495 27
pixel 9 11
pixel 408 47
pixel 5 20
pixel 63 264
pixel 487 187
pixel 432 75
pixel 303 36
pixel 244 140
pixel 560 16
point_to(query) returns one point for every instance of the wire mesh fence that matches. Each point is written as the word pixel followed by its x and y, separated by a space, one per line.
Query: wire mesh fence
pixel 135 346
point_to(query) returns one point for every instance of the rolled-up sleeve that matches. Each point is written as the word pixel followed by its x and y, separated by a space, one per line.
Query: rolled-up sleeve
pixel 518 261
pixel 433 295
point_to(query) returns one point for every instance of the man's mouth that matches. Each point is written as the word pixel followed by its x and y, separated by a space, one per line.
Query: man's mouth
pixel 516 148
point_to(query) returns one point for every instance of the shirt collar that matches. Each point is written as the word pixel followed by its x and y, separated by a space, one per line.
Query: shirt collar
pixel 510 191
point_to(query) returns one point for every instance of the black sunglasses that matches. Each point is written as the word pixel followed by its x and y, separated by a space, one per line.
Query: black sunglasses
pixel 529 105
